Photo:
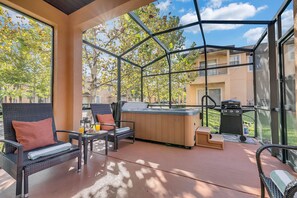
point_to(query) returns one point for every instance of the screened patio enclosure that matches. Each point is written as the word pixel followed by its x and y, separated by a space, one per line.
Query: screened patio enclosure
pixel 169 60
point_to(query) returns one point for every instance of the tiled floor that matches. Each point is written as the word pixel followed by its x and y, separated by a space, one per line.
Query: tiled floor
pixel 144 169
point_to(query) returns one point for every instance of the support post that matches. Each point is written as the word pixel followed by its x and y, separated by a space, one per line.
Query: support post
pixel 273 88
pixel 206 86
pixel 169 79
pixel 282 91
pixel 141 84
pixel 119 80
pixel 255 94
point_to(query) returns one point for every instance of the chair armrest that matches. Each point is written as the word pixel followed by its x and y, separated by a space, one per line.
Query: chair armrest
pixel 113 125
pixel 75 133
pixel 107 124
pixel 12 143
pixel 69 131
pixel 133 123
pixel 264 147
pixel 124 121
pixel 19 148
pixel 291 189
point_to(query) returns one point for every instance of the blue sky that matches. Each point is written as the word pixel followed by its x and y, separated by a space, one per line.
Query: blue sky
pixel 218 34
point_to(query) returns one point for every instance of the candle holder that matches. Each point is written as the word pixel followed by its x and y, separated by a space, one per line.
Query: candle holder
pixel 86 124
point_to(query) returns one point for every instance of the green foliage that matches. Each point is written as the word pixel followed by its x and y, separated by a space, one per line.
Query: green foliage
pixel 25 55
pixel 121 34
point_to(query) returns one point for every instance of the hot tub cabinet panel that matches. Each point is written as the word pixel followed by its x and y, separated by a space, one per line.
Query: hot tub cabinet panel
pixel 165 127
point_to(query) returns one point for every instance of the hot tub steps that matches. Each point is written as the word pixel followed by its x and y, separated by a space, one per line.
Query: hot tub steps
pixel 205 139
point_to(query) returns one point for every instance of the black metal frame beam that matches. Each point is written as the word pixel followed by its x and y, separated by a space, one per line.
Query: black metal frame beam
pixel 141 84
pixel 176 28
pixel 239 22
pixel 169 80
pixel 199 19
pixel 152 62
pixel 273 87
pixel 205 56
pixel 200 69
pixel 99 48
pixel 255 94
pixel 135 46
pixel 282 9
pixel 260 40
pixel 132 63
pixel 110 53
pixel 173 52
pixel 188 49
pixel 135 18
pixel 159 33
pixel 284 37
pixel 119 65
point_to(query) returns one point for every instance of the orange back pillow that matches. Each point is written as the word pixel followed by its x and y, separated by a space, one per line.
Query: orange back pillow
pixel 34 134
pixel 105 119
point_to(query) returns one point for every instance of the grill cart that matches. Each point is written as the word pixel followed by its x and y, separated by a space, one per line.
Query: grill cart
pixel 231 118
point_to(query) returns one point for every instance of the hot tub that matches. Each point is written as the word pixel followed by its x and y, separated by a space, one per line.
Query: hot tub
pixel 171 126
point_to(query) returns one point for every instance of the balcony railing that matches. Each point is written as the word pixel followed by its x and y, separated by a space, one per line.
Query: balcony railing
pixel 214 72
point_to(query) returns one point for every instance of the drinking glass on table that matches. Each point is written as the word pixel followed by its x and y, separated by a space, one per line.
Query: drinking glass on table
pixel 81 128
pixel 97 126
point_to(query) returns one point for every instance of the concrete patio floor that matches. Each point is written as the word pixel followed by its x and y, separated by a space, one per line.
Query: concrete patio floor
pixel 152 170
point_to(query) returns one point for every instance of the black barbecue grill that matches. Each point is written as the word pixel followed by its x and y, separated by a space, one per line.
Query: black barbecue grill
pixel 231 118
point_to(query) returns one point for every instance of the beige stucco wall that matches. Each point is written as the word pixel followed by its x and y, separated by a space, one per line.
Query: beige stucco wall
pixel 234 83
pixel 68 30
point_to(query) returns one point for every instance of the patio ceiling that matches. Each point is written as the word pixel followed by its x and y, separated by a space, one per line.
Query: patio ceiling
pixel 68 6
pixel 197 30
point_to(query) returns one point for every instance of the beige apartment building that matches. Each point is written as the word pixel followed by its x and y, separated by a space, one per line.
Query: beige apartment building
pixel 226 83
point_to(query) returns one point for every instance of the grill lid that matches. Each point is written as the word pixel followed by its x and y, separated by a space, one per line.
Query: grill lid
pixel 230 104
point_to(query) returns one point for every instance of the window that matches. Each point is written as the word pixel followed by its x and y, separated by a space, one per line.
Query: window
pixel 215 94
pixel 234 59
pixel 210 63
pixel 249 59
pixel 27 50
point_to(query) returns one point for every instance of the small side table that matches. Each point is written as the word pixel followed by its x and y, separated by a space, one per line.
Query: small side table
pixel 89 138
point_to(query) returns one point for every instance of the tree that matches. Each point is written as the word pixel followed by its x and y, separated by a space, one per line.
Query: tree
pixel 25 55
pixel 121 34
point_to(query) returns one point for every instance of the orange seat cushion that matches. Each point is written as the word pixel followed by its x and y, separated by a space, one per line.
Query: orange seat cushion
pixel 34 134
pixel 106 119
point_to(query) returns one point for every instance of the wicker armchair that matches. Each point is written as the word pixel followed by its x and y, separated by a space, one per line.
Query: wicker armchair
pixel 266 182
pixel 113 135
pixel 17 164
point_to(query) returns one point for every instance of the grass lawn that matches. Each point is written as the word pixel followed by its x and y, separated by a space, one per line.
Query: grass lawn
pixel 292 128
pixel 264 131
pixel 214 121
